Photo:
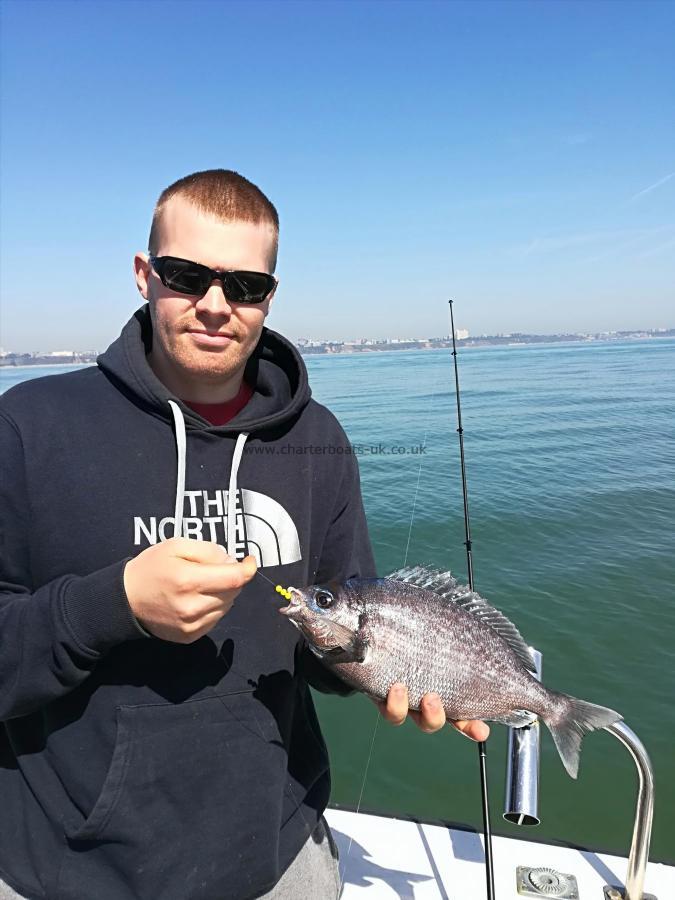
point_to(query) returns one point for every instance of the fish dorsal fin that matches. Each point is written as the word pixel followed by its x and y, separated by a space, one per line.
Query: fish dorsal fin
pixel 446 585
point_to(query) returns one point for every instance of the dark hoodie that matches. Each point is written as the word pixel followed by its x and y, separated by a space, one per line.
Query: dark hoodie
pixel 133 768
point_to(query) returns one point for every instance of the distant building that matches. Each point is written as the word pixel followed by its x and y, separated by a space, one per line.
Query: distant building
pixel 461 334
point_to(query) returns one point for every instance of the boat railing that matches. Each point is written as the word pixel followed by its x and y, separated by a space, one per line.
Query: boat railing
pixel 522 792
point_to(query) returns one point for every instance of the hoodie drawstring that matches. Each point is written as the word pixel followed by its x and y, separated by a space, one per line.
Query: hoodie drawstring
pixel 232 495
pixel 181 450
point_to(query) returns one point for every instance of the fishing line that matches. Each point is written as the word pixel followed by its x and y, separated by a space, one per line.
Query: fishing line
pixel 379 715
pixel 419 475
pixel 284 592
pixel 262 575
pixel 482 749
pixel 358 805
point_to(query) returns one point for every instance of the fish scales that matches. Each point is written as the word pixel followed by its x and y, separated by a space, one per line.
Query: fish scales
pixel 421 627
pixel 440 648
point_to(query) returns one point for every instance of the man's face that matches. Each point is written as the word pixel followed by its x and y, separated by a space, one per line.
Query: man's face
pixel 203 340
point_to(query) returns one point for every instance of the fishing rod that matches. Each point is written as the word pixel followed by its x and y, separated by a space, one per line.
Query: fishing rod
pixel 482 747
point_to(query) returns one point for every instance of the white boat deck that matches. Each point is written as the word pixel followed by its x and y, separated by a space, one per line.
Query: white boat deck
pixel 382 857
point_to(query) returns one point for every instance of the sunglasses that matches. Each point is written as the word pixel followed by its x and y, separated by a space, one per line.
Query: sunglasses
pixel 187 277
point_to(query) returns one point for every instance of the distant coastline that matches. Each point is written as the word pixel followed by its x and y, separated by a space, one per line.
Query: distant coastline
pixel 43 365
pixel 29 360
pixel 365 345
pixel 514 339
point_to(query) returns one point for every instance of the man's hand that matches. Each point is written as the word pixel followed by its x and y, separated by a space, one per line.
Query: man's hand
pixel 179 589
pixel 431 716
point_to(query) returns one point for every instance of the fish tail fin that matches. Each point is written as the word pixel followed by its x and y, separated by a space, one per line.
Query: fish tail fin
pixel 569 721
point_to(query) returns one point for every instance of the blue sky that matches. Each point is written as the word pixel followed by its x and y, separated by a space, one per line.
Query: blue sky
pixel 519 157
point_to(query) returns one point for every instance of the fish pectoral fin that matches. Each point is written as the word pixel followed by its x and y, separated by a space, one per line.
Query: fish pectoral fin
pixel 348 645
pixel 336 655
pixel 331 654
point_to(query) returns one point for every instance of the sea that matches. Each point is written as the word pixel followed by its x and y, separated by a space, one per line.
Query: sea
pixel 570 463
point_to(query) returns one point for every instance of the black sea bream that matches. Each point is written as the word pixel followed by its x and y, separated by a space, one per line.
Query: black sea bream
pixel 421 627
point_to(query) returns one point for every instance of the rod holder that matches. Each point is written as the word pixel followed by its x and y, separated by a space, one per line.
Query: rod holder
pixel 522 790
pixel 644 811
pixel 521 803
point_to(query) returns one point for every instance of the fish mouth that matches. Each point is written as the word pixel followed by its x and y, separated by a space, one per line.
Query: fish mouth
pixel 295 603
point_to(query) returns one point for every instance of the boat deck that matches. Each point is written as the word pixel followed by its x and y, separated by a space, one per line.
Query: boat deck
pixel 382 857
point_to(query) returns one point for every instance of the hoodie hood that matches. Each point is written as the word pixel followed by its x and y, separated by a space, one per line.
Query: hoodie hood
pixel 275 370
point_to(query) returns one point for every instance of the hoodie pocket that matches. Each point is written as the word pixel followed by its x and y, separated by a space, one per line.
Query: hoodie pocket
pixel 114 780
pixel 195 791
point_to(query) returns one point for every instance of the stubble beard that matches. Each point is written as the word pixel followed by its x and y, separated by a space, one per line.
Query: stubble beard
pixel 175 354
pixel 212 366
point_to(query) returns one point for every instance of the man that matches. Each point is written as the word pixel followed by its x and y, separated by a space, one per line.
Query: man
pixel 157 739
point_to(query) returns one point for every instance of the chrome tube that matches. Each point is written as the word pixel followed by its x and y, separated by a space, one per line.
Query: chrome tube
pixel 644 812
pixel 521 803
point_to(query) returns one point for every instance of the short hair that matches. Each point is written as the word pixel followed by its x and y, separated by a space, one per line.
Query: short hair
pixel 221 193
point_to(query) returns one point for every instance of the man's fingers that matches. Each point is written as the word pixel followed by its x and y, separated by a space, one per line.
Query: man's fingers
pixel 431 715
pixel 474 729
pixel 232 576
pixel 198 551
pixel 201 627
pixel 395 709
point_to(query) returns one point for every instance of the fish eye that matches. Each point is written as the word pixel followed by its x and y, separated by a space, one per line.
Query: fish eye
pixel 324 599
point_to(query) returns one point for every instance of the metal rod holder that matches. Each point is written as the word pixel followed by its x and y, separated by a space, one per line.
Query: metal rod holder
pixel 644 811
pixel 521 802
pixel 522 788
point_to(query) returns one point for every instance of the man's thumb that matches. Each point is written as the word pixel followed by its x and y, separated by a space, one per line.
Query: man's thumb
pixel 251 565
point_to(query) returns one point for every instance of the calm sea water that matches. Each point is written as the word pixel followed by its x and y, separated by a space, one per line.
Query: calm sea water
pixel 570 453
pixel 571 467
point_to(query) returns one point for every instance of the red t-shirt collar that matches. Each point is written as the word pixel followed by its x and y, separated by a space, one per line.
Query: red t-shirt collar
pixel 221 413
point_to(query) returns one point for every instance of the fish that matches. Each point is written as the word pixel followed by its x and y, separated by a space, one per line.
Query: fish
pixel 422 627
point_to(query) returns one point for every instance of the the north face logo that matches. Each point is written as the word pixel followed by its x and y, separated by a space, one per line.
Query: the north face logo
pixel 263 528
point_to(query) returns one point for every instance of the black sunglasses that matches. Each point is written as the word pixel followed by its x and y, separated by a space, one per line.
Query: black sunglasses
pixel 187 277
